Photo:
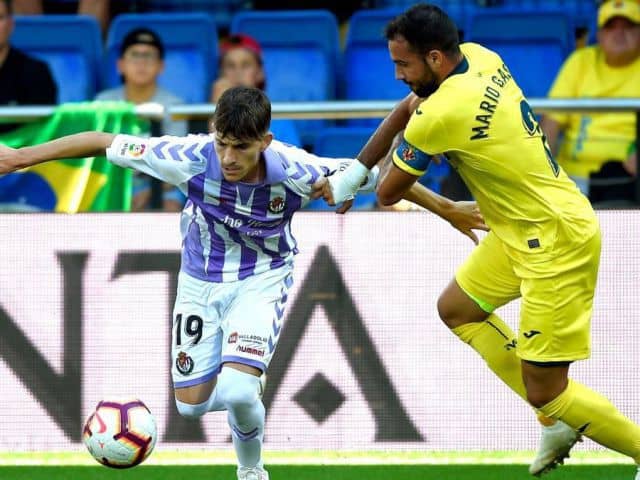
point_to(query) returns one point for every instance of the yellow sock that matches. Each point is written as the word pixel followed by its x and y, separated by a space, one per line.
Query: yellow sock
pixel 595 417
pixel 496 344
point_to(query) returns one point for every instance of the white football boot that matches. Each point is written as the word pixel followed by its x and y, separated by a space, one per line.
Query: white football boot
pixel 555 444
pixel 254 473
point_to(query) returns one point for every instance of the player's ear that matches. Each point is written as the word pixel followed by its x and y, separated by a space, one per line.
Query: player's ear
pixel 266 141
pixel 434 59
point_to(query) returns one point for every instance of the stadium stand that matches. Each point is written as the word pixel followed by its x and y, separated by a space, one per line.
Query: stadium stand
pixel 301 54
pixel 221 10
pixel 70 44
pixel 190 40
pixel 533 43
pixel 368 71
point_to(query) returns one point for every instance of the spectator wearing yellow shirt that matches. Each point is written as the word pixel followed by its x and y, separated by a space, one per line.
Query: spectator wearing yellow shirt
pixel 594 148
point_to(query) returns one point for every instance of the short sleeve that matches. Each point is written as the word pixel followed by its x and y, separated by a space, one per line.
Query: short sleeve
pixel 423 138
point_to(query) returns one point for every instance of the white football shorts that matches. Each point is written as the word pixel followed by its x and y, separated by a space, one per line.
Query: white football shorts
pixel 214 323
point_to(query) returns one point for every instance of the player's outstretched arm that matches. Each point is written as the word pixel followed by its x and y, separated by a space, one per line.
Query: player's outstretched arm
pixel 343 185
pixel 463 216
pixel 79 145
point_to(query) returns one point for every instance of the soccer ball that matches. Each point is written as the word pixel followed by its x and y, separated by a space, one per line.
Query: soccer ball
pixel 120 434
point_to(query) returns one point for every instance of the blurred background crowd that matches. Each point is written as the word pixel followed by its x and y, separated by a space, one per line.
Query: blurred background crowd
pixel 176 52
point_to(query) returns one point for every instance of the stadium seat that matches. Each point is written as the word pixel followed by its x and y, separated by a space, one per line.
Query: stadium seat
pixel 300 51
pixel 532 43
pixel 191 44
pixel 342 142
pixel 71 46
pixel 583 12
pixel 284 129
pixel 368 72
pixel 458 10
pixel 221 10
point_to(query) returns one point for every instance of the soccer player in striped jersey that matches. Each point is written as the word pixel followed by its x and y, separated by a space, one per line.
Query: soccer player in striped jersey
pixel 544 244
pixel 243 188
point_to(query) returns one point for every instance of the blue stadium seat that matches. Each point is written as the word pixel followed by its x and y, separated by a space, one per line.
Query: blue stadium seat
pixel 583 12
pixel 300 51
pixel 532 43
pixel 221 10
pixel 71 46
pixel 284 129
pixel 458 10
pixel 368 72
pixel 342 142
pixel 191 46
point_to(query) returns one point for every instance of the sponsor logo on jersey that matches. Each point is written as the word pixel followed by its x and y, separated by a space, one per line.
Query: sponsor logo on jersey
pixel 233 338
pixel 531 333
pixel 184 363
pixel 276 205
pixel 250 350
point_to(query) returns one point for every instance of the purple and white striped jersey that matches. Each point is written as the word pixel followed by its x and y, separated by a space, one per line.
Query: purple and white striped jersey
pixel 230 230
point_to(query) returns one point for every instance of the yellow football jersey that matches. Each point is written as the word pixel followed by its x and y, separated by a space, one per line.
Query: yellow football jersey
pixel 479 119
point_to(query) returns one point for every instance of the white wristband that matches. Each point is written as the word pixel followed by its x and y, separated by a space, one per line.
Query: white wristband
pixel 345 184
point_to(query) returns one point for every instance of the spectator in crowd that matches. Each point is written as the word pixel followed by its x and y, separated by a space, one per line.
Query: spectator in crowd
pixel 140 64
pixel 241 64
pixel 595 148
pixel 97 8
pixel 23 79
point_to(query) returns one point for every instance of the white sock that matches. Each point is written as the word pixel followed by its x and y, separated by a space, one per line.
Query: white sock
pixel 238 392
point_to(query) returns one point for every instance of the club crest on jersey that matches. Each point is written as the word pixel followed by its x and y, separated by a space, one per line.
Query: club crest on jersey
pixel 136 149
pixel 184 363
pixel 276 205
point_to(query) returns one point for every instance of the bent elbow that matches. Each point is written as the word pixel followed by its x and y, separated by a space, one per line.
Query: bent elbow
pixel 386 197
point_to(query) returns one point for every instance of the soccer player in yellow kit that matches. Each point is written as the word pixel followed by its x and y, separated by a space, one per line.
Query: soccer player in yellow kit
pixel 544 244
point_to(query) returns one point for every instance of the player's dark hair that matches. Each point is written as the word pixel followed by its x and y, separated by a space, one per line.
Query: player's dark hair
pixel 9 5
pixel 243 113
pixel 425 27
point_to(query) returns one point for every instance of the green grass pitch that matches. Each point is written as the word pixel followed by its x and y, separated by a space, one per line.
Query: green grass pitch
pixel 319 472
pixel 390 465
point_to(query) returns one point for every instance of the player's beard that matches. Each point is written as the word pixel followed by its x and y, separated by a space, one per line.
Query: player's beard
pixel 423 90
pixel 426 88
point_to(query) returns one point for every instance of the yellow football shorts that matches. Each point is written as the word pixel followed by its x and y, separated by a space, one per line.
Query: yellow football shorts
pixel 557 294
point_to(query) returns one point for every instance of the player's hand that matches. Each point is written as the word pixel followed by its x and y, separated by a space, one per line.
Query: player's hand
pixel 466 217
pixel 8 159
pixel 322 189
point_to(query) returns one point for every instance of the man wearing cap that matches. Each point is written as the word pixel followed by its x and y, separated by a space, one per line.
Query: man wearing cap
pixel 140 64
pixel 596 147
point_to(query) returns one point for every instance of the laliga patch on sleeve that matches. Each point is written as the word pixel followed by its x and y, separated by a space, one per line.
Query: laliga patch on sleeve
pixel 410 159
pixel 132 150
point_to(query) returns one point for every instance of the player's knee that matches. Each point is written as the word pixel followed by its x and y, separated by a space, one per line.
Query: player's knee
pixel 237 389
pixel 446 311
pixel 192 411
pixel 539 398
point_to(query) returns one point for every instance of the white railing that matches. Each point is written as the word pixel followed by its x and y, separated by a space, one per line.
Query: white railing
pixel 336 109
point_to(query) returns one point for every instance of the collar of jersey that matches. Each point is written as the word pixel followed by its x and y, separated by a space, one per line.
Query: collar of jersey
pixel 275 170
pixel 462 67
